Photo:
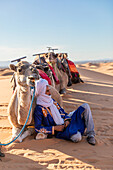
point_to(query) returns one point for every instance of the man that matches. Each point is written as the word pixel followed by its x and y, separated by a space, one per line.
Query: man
pixel 51 119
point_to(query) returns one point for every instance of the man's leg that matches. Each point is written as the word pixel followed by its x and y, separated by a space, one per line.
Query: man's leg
pixel 89 124
pixel 76 137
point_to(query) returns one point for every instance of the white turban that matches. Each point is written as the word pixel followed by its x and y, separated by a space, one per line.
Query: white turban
pixel 46 100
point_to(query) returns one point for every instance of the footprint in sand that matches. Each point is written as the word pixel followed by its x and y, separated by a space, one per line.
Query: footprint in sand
pixel 70 159
pixel 6 159
pixel 111 140
pixel 54 161
pixel 4 104
pixel 35 168
pixel 92 160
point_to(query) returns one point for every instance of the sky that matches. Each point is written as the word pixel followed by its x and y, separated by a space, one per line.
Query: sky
pixel 82 28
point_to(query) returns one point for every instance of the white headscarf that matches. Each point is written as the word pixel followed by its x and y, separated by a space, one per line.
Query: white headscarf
pixel 46 100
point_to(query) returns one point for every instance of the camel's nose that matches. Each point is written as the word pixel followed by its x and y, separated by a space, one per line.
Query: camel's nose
pixel 19 70
pixel 33 70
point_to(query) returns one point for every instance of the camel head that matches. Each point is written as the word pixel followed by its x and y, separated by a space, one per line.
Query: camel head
pixel 62 56
pixel 65 55
pixel 37 60
pixel 24 72
pixel 52 57
pixel 59 56
pixel 43 58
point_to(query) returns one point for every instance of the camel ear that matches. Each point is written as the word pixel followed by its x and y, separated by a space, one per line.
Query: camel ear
pixel 13 67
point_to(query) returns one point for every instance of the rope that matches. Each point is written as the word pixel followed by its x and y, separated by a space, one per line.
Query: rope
pixel 5 144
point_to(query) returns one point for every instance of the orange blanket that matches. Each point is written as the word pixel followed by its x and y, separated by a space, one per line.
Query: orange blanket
pixel 72 66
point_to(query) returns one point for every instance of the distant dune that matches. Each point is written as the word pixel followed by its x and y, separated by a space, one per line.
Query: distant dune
pixel 6 72
pixel 105 68
pixel 4 64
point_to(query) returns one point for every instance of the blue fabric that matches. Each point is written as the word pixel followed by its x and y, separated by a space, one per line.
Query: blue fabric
pixel 40 119
pixel 76 124
pixel 44 122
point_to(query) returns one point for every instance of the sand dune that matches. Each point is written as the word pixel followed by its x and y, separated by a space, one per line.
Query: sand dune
pixel 105 68
pixel 60 154
pixel 5 72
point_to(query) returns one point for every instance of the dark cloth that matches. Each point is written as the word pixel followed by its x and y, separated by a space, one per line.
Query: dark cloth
pixel 77 124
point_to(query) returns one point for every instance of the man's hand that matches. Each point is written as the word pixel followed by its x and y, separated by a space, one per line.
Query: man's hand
pixel 66 123
pixel 59 128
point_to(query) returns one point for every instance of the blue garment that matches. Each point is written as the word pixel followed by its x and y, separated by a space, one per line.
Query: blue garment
pixel 44 121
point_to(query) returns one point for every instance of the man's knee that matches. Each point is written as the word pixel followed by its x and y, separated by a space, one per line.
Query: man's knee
pixel 86 106
pixel 76 137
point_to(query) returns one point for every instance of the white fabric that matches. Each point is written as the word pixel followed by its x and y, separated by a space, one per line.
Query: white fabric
pixel 46 100
pixel 71 113
pixel 41 136
pixel 76 137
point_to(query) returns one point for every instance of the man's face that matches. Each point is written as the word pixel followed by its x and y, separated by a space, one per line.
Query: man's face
pixel 48 91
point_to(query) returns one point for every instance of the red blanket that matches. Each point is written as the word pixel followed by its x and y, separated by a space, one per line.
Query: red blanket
pixel 54 75
pixel 44 76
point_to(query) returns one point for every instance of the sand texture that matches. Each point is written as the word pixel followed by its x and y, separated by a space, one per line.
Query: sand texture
pixel 31 154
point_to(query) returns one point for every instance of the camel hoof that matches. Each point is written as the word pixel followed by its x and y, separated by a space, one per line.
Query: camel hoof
pixel 63 91
pixel 69 84
pixel 18 140
pixel 81 80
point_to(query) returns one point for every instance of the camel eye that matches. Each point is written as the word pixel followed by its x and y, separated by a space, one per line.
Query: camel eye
pixel 19 69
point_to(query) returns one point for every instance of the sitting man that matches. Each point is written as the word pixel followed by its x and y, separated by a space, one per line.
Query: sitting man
pixel 51 119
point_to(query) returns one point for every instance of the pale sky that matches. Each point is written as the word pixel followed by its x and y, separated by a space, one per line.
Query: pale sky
pixel 82 28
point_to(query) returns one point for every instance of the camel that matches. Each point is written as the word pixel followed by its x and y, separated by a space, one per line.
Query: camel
pixel 70 68
pixel 19 104
pixel 62 76
pixel 56 64
pixel 62 57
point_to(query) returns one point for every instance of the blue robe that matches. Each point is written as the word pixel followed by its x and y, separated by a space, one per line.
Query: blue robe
pixel 44 121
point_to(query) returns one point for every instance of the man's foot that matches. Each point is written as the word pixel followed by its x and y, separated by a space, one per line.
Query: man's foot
pixel 91 140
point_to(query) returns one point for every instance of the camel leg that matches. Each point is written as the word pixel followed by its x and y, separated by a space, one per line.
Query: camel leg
pixel 62 89
pixel 28 132
pixel 16 131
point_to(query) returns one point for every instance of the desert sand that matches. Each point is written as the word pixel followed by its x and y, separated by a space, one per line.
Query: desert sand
pixel 55 153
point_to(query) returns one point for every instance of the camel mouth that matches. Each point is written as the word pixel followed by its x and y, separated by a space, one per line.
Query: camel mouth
pixel 31 79
pixel 21 80
pixel 33 76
